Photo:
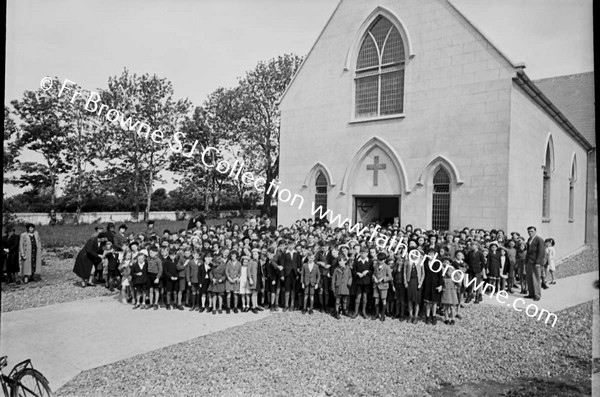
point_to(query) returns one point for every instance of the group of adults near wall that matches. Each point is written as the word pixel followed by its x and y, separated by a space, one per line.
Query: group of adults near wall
pixel 21 254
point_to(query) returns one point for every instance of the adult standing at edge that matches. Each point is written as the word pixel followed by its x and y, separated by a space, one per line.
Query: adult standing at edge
pixel 534 261
pixel 89 257
pixel 193 221
pixel 30 253
pixel 10 245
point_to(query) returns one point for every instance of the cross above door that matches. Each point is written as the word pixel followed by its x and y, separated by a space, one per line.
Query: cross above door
pixel 375 167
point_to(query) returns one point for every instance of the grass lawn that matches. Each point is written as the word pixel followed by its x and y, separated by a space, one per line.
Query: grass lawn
pixel 61 236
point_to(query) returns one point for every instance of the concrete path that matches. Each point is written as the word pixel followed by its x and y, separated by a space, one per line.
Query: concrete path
pixel 567 292
pixel 65 339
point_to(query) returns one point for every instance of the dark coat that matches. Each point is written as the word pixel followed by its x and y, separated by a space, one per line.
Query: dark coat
pixel 12 257
pixel 536 251
pixel 87 258
pixel 359 267
pixel 292 263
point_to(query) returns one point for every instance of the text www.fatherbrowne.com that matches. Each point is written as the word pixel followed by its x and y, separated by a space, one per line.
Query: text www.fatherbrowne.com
pixel 459 276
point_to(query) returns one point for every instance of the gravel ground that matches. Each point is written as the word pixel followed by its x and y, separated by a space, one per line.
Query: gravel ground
pixel 58 284
pixel 292 354
pixel 584 262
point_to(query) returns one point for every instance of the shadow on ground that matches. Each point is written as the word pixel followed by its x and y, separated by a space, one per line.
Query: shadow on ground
pixel 529 387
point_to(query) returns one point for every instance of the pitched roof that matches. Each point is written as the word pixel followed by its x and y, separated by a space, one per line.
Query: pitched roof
pixel 573 95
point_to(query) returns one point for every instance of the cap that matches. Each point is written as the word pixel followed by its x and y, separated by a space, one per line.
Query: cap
pixel 143 252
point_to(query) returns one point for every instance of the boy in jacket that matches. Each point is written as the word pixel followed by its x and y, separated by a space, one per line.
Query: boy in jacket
pixel 311 277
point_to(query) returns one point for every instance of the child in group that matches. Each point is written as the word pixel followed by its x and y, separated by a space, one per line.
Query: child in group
pixel 521 255
pixel 139 272
pixel 398 285
pixel 204 283
pixel 232 282
pixel 449 293
pixel 182 263
pixel 217 285
pixel 111 265
pixel 550 259
pixel 511 257
pixel 504 268
pixel 382 274
pixel 125 269
pixel 170 275
pixel 244 291
pixel 341 283
pixel 191 277
pixel 414 274
pixel 459 264
pixel 155 270
pixel 253 277
pixel 310 279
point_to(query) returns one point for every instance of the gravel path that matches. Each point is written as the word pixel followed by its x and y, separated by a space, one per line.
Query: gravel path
pixel 292 354
pixel 58 284
pixel 584 262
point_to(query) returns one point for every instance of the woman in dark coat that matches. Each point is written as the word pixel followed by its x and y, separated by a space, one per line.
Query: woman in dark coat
pixel 10 253
pixel 90 256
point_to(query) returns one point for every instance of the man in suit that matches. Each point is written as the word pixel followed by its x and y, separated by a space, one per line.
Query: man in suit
pixel 290 261
pixel 534 261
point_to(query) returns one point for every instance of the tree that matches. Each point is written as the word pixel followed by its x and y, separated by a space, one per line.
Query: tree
pixel 11 149
pixel 134 148
pixel 256 129
pixel 45 130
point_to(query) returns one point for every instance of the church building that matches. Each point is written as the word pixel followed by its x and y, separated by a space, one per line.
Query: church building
pixel 404 109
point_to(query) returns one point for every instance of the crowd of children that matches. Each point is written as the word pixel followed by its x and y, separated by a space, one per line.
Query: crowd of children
pixel 258 266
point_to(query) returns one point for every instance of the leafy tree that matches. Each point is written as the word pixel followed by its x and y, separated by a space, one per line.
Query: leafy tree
pixel 11 149
pixel 257 117
pixel 45 130
pixel 131 149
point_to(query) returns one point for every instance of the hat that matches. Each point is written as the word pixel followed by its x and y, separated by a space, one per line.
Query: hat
pixel 493 243
pixel 123 226
pixel 143 252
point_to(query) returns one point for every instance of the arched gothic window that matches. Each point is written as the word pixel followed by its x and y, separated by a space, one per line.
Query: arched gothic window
pixel 441 200
pixel 321 192
pixel 546 181
pixel 572 180
pixel 380 71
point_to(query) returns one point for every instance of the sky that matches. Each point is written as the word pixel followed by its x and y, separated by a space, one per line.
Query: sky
pixel 200 45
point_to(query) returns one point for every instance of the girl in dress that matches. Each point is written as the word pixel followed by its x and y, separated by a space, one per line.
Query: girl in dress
pixel 414 275
pixel 551 258
pixel 232 281
pixel 254 279
pixel 450 293
pixel 125 269
pixel 494 266
pixel 244 291
pixel 521 255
